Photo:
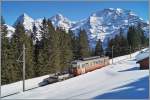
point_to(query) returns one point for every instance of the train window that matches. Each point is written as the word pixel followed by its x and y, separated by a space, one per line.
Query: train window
pixel 83 65
pixel 91 63
pixel 96 62
pixel 78 66
pixel 99 61
pixel 74 65
pixel 87 64
pixel 74 62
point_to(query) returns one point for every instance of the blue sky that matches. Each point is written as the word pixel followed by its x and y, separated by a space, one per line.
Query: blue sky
pixel 74 11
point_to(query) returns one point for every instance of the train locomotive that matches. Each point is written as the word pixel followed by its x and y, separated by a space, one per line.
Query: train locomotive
pixel 85 65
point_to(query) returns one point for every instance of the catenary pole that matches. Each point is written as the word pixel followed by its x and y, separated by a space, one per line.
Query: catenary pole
pixel 24 67
pixel 112 54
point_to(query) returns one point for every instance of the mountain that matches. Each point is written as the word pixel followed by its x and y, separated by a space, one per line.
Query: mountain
pixel 25 20
pixel 103 24
pixel 62 22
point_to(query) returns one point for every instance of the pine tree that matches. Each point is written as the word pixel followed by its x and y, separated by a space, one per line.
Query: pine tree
pixel 35 49
pixel 54 48
pixel 19 38
pixel 99 48
pixel 133 37
pixel 16 44
pixel 5 57
pixel 74 45
pixel 43 57
pixel 123 44
pixel 83 44
pixel 29 57
pixel 120 45
pixel 34 33
pixel 141 34
pixel 66 54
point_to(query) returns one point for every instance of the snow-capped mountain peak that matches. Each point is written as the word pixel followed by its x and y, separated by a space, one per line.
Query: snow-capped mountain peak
pixel 106 23
pixel 59 16
pixel 60 21
pixel 26 20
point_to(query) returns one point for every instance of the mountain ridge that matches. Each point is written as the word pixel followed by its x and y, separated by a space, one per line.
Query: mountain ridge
pixel 102 24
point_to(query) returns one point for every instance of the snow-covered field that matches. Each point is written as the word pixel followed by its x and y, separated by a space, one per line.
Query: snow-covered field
pixel 17 86
pixel 121 80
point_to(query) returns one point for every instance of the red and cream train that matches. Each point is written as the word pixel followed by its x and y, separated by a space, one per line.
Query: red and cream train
pixel 85 65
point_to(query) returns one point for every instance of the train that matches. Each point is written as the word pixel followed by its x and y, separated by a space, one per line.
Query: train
pixel 85 65
pixel 77 67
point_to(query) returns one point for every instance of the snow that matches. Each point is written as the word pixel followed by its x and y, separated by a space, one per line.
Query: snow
pixel 17 86
pixel 10 30
pixel 142 55
pixel 120 80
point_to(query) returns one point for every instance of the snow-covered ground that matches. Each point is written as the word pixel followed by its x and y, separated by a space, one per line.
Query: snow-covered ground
pixel 121 80
pixel 17 86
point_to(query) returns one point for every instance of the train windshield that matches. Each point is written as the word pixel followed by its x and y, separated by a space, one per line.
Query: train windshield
pixel 74 65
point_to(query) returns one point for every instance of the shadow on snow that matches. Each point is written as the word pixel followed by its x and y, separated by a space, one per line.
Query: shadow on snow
pixel 135 90
pixel 131 69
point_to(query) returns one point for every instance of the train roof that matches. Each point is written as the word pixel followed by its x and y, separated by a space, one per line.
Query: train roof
pixel 86 59
pixel 90 58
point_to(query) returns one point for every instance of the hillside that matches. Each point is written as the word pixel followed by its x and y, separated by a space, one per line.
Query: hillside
pixel 121 80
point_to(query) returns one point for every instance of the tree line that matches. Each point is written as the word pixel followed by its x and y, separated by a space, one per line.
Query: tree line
pixel 54 51
pixel 124 45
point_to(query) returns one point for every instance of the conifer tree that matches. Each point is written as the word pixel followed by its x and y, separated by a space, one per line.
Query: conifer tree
pixel 120 45
pixel 16 44
pixel 65 49
pixel 83 44
pixel 74 45
pixel 98 48
pixel 141 34
pixel 29 57
pixel 54 48
pixel 19 38
pixel 5 57
pixel 42 62
pixel 133 37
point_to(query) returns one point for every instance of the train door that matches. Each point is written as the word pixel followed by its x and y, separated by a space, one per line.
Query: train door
pixel 83 70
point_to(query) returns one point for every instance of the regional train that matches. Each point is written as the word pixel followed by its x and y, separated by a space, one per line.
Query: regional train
pixel 85 65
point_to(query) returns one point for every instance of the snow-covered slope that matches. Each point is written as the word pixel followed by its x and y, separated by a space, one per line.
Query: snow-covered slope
pixel 62 22
pixel 121 80
pixel 17 86
pixel 142 55
pixel 10 30
pixel 103 24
